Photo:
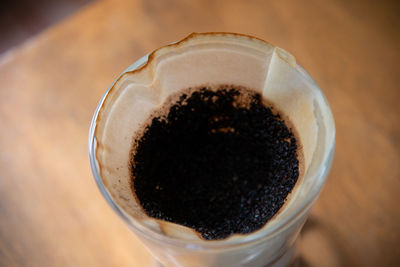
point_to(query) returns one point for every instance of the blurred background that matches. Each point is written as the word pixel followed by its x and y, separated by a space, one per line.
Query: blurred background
pixel 23 19
pixel 58 57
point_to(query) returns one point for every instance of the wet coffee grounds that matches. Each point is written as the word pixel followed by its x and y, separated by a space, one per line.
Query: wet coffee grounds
pixel 215 164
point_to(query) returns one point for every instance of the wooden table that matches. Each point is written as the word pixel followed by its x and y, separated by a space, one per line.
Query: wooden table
pixel 52 213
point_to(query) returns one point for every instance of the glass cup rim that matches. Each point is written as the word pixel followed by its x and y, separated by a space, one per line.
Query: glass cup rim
pixel 258 236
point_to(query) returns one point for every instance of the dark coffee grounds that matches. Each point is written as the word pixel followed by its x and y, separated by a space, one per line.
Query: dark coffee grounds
pixel 215 164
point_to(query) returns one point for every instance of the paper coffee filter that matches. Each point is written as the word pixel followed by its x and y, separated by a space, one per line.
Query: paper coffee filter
pixel 208 59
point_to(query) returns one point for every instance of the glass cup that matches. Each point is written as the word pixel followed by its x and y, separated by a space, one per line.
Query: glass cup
pixel 274 245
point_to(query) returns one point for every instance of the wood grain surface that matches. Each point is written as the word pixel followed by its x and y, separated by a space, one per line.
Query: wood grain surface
pixel 52 213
